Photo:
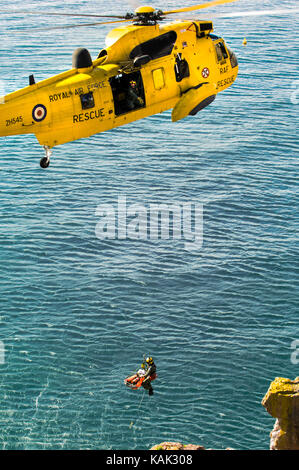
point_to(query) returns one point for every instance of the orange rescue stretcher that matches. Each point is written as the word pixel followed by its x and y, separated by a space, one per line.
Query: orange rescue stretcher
pixel 135 381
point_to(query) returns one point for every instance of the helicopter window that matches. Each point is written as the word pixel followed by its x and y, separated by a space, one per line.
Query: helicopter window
pixel 128 92
pixel 87 100
pixel 233 58
pixel 157 47
pixel 221 51
pixel 158 78
pixel 213 36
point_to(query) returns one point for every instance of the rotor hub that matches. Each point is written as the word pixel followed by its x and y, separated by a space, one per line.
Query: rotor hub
pixel 144 9
pixel 145 16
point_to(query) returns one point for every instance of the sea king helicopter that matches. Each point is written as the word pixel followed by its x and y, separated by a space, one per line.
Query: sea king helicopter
pixel 147 67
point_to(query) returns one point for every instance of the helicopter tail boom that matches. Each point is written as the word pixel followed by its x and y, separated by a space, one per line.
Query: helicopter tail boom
pixel 11 118
pixel 20 112
pixel 24 111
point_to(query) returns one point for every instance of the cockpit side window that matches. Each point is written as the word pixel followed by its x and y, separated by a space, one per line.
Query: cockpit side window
pixel 157 47
pixel 233 58
pixel 220 51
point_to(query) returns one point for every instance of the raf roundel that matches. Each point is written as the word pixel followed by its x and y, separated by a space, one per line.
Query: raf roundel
pixel 39 112
pixel 205 72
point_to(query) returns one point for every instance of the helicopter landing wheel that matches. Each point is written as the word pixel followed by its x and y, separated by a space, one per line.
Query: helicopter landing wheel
pixel 45 161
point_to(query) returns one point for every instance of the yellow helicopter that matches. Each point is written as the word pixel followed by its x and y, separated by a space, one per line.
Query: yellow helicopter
pixel 146 68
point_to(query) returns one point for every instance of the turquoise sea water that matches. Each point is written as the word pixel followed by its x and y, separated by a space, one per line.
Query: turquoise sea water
pixel 78 313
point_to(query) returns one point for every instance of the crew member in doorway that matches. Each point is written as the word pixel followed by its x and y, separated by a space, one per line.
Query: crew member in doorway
pixel 133 99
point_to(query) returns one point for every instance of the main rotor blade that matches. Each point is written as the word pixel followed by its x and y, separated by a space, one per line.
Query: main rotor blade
pixel 237 14
pixel 51 13
pixel 81 25
pixel 199 7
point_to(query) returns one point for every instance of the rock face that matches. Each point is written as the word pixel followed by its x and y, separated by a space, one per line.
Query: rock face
pixel 282 402
pixel 176 446
pixel 179 446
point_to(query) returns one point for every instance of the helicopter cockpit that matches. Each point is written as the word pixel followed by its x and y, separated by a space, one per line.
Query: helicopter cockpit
pixel 223 52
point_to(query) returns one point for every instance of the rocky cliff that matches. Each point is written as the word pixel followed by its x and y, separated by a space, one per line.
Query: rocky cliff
pixel 282 402
pixel 176 446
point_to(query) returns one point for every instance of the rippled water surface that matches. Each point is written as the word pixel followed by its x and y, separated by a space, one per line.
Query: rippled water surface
pixel 78 313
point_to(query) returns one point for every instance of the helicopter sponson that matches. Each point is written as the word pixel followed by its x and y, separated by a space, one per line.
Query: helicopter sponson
pixel 144 70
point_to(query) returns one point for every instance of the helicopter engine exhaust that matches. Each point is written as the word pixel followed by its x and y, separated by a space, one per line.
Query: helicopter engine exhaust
pixel 81 59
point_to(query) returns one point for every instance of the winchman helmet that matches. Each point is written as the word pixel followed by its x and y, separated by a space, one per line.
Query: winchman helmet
pixel 149 360
pixel 133 83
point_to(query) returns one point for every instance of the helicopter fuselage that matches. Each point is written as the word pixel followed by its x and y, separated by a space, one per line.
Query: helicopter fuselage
pixel 144 70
